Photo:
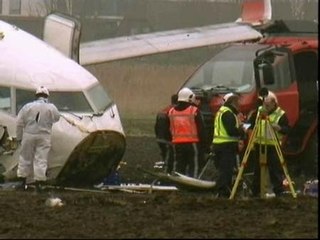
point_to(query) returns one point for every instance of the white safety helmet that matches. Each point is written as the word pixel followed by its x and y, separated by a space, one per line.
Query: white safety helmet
pixel 226 97
pixel 186 95
pixel 42 90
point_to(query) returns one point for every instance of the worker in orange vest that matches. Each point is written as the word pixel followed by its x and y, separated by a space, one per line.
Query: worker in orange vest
pixel 188 134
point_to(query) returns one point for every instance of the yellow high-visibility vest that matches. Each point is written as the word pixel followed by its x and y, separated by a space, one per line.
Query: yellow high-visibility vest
pixel 263 136
pixel 220 133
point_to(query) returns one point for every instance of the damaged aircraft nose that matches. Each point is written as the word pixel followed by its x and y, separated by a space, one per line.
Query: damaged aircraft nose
pixel 92 159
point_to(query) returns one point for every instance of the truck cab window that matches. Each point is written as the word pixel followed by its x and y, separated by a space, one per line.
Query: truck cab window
pixel 229 70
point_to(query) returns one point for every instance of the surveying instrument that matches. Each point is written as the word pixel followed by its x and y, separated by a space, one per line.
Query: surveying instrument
pixel 264 173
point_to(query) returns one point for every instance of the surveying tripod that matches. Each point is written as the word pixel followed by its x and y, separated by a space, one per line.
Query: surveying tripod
pixel 264 174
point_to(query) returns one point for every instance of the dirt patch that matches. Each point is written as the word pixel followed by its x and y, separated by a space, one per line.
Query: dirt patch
pixel 157 215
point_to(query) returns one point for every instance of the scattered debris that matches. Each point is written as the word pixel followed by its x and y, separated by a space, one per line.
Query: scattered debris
pixel 311 188
pixel 54 202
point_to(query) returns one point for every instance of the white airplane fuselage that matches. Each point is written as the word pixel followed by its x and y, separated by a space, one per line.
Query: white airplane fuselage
pixel 89 138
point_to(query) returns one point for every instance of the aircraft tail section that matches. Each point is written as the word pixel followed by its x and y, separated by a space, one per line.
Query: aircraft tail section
pixel 255 12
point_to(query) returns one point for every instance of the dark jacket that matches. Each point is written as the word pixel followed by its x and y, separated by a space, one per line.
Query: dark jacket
pixel 162 125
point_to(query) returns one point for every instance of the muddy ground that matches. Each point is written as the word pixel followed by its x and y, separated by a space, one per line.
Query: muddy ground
pixel 153 215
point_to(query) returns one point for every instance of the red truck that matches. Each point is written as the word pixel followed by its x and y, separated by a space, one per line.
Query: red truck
pixel 284 61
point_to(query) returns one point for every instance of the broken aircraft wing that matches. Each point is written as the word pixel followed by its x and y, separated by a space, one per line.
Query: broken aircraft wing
pixel 159 42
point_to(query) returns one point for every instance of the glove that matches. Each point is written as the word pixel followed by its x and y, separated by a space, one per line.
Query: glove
pixel 276 127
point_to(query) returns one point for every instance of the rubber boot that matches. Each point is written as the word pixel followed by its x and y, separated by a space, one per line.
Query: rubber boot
pixel 22 184
pixel 40 186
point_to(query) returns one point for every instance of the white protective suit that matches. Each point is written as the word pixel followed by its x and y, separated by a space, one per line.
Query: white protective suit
pixel 34 125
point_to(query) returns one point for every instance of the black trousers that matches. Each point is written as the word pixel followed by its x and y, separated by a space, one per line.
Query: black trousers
pixel 225 162
pixel 166 150
pixel 274 167
pixel 186 159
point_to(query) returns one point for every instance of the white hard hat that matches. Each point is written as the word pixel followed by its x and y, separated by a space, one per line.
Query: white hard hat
pixel 42 90
pixel 226 97
pixel 186 95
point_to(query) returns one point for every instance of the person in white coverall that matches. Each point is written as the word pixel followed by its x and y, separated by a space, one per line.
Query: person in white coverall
pixel 34 125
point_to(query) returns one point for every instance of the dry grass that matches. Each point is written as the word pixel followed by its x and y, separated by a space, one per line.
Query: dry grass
pixel 140 90
pixel 143 86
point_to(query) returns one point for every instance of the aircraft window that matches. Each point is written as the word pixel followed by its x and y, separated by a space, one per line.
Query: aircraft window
pixel 5 104
pixel 224 76
pixel 24 97
pixel 99 97
pixel 64 101
pixel 70 101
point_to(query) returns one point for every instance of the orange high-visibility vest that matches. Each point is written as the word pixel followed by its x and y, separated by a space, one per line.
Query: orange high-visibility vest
pixel 183 126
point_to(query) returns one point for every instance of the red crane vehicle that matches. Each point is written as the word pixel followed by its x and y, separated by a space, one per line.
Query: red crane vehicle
pixel 285 61
pixel 279 55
